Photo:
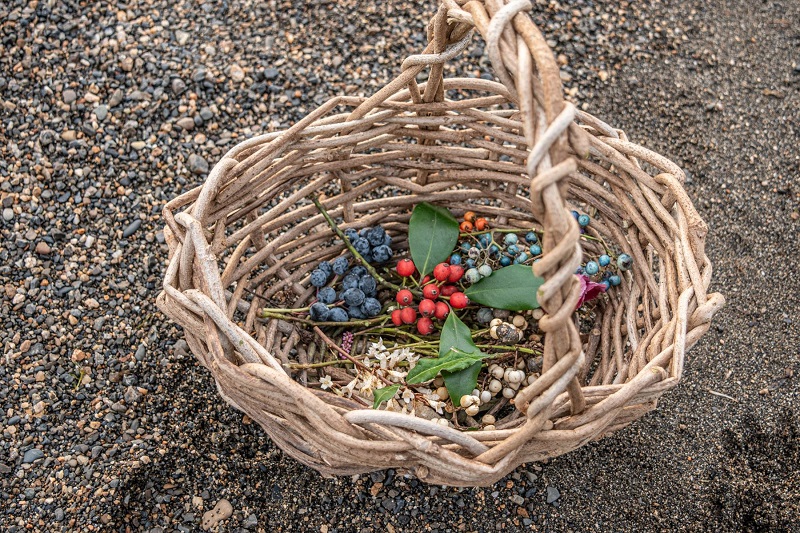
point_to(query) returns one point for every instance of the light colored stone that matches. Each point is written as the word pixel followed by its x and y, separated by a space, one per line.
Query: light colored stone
pixel 236 73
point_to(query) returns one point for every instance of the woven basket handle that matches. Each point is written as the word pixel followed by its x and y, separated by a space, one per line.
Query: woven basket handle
pixel 524 63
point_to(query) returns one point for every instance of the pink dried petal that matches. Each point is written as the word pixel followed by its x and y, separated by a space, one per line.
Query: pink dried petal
pixel 589 290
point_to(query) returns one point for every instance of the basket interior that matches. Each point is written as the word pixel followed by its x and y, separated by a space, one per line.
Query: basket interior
pixel 467 153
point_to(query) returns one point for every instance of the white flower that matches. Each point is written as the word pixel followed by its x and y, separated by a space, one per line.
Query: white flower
pixel 325 382
pixel 408 395
pixel 347 390
pixel 367 384
pixel 375 348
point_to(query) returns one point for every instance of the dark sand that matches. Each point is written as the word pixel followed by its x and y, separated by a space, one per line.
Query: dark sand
pixel 712 85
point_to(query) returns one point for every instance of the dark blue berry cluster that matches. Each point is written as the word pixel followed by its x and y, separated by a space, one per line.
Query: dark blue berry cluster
pixel 353 292
pixel 374 244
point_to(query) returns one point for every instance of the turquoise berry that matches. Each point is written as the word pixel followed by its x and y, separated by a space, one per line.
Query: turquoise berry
pixel 472 275
pixel 604 260
pixel 575 214
pixel 531 237
pixel 455 259
pixel 521 258
pixel 511 238
pixel 605 284
pixel 536 250
pixel 493 249
pixel 465 246
pixel 583 220
pixel 591 268
pixel 485 239
pixel 485 271
pixel 614 280
pixel 624 262
pixel 513 249
pixel 505 261
pixel 469 263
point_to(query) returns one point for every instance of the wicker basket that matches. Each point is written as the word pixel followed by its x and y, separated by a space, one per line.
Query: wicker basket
pixel 251 229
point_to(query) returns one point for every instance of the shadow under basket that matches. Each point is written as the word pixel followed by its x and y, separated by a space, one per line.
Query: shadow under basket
pixel 515 152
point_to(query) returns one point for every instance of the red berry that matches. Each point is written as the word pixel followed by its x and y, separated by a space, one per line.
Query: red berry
pixel 448 290
pixel 404 297
pixel 431 292
pixel 459 300
pixel 427 307
pixel 396 320
pixel 441 272
pixel 425 326
pixel 456 271
pixel 405 267
pixel 442 310
pixel 426 279
pixel 408 315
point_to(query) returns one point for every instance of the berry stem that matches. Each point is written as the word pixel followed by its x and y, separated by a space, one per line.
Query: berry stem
pixel 266 313
pixel 332 223
pixel 285 310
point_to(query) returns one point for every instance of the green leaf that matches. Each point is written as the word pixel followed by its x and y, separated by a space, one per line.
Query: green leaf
pixel 513 288
pixel 428 368
pixel 462 382
pixel 384 394
pixel 432 235
pixel 455 334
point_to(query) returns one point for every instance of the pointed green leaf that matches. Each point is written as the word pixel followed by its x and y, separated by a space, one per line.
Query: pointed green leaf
pixel 455 334
pixel 513 288
pixel 462 382
pixel 428 368
pixel 384 394
pixel 432 235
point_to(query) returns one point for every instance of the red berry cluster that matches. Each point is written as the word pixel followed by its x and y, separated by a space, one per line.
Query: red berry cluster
pixel 442 284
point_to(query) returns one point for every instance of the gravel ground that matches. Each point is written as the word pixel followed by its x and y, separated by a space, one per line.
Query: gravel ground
pixel 111 109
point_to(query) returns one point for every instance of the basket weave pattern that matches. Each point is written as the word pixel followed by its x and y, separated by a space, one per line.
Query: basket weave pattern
pixel 251 229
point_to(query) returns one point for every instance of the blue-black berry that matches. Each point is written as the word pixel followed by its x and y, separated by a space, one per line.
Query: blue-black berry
pixel 387 240
pixel 337 314
pixel 356 311
pixel 368 285
pixel 326 295
pixel 318 278
pixel 351 234
pixel 350 281
pixel 325 266
pixel 319 312
pixel 371 307
pixel 353 297
pixel 362 245
pixel 376 236
pixel 381 254
pixel 455 259
pixel 359 271
pixel 340 265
